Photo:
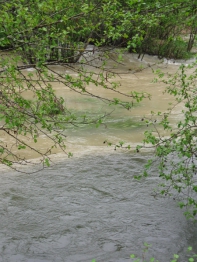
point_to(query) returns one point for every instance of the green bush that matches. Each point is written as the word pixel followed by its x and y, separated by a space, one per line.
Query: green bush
pixel 171 48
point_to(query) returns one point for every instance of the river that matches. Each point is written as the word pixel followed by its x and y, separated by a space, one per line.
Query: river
pixel 90 206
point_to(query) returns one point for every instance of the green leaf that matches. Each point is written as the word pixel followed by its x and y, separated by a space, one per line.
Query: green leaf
pixel 47 162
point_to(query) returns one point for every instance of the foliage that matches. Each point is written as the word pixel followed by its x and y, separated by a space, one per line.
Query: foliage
pixel 167 36
pixel 64 26
pixel 171 48
pixel 38 36
pixel 176 148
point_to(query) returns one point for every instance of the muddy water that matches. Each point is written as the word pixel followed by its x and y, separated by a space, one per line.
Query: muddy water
pixel 91 206
pixel 121 124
